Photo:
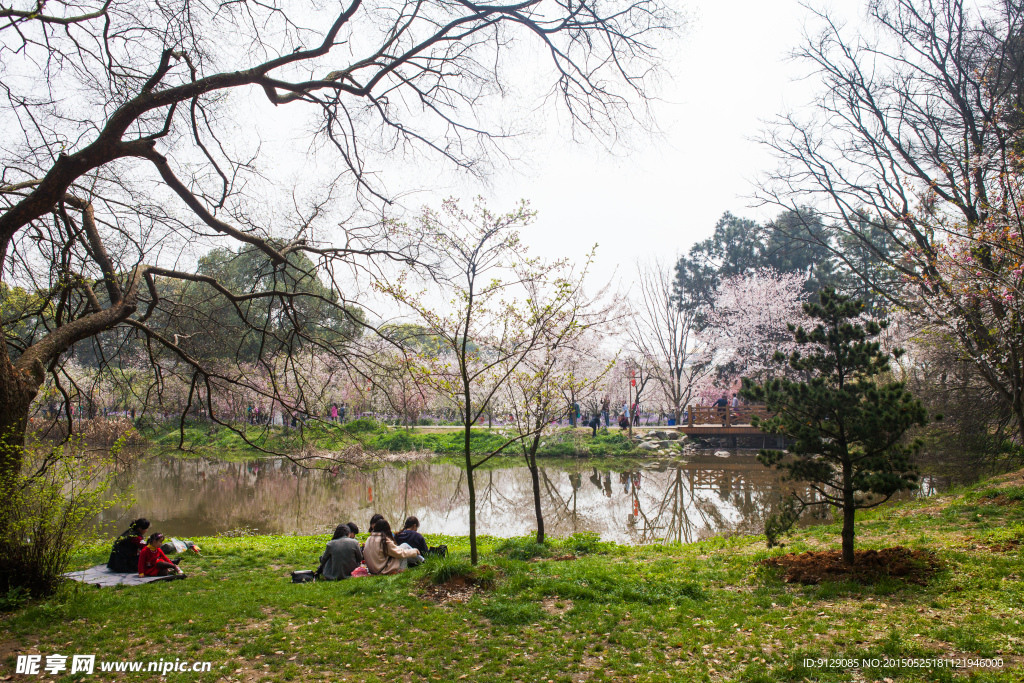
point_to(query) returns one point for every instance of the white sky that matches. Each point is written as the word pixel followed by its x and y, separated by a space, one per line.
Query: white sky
pixel 730 73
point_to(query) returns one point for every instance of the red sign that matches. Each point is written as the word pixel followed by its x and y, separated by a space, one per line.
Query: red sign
pixel 632 382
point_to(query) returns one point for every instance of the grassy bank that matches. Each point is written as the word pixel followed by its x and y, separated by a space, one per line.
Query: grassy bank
pixel 212 440
pixel 581 611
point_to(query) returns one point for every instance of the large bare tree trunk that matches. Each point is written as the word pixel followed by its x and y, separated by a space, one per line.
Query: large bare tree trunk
pixel 17 390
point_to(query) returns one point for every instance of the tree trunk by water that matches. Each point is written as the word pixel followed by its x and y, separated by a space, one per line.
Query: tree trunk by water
pixel 469 479
pixel 531 462
pixel 849 511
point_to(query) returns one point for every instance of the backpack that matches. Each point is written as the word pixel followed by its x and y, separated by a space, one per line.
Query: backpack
pixel 303 576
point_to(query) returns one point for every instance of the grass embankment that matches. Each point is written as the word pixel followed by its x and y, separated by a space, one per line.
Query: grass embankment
pixel 674 613
pixel 211 440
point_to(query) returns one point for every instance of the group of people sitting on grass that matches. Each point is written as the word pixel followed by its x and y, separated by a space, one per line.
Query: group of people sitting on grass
pixel 132 553
pixel 383 552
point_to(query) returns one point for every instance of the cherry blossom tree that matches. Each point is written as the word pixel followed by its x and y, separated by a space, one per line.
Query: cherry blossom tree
pixel 478 308
pixel 566 364
pixel 911 151
pixel 748 323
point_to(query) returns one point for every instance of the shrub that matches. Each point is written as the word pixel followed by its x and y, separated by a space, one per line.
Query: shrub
pixel 45 514
pixel 396 442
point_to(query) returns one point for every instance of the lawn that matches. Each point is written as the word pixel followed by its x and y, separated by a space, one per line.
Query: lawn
pixel 573 610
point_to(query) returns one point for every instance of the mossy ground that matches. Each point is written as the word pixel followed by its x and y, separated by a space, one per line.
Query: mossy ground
pixel 700 612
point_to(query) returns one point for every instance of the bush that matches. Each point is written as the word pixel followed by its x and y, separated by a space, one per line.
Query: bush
pixel 45 515
pixel 396 442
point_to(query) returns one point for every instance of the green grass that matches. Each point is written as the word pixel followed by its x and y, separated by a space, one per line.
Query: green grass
pixel 207 439
pixel 700 612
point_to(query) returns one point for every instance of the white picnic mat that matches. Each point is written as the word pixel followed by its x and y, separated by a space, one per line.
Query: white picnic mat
pixel 103 577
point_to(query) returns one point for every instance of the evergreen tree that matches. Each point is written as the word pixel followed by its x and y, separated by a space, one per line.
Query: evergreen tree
pixel 845 423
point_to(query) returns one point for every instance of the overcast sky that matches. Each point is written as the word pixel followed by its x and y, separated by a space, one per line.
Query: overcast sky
pixel 729 74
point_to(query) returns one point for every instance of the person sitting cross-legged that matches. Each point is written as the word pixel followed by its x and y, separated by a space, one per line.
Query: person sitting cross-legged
pixel 383 556
pixel 342 555
pixel 153 561
pixel 411 535
pixel 124 556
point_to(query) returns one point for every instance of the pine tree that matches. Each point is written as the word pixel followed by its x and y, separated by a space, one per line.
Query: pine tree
pixel 845 423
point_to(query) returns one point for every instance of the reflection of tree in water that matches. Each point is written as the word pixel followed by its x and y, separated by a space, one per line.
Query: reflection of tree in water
pixel 670 500
pixel 701 499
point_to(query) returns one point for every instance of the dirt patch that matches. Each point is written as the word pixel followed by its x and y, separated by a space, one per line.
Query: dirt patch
pixel 457 589
pixel 460 588
pixel 998 547
pixel 913 566
pixel 1008 480
pixel 556 606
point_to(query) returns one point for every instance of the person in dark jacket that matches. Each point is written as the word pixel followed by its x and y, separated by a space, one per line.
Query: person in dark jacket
pixel 124 556
pixel 342 555
pixel 411 535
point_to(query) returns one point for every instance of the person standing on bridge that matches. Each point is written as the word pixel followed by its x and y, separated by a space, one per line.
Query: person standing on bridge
pixel 723 407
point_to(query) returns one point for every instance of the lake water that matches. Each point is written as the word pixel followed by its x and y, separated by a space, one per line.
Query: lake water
pixel 624 500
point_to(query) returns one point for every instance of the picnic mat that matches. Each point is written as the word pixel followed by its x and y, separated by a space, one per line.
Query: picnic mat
pixel 103 577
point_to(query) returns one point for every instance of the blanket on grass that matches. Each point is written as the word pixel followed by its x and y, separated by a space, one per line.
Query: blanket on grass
pixel 102 577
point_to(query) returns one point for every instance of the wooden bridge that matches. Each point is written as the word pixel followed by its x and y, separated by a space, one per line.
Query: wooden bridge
pixel 724 421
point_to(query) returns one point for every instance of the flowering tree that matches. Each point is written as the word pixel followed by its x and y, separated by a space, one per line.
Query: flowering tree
pixel 486 322
pixel 566 362
pixel 748 322
pixel 976 287
pixel 912 152
pixel 126 148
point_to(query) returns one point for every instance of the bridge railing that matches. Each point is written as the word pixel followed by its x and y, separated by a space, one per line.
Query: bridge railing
pixel 724 416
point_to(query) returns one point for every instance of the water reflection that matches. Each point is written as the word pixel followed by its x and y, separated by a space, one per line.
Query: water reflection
pixel 623 501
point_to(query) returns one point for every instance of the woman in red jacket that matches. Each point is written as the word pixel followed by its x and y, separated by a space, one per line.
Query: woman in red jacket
pixel 153 561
